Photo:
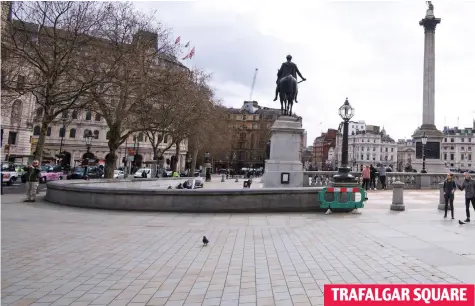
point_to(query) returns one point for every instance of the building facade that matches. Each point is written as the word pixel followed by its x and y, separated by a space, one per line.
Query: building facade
pixel 251 125
pixel 406 154
pixel 321 146
pixel 458 148
pixel 371 146
pixel 21 119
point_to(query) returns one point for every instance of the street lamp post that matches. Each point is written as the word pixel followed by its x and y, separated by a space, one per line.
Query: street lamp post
pixel 88 138
pixel 424 142
pixel 346 112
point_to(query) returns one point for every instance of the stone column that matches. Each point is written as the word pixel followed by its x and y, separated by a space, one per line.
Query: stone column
pixel 441 205
pixel 398 197
pixel 428 110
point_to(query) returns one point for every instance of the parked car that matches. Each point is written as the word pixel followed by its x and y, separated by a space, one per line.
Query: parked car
pixel 79 173
pixel 10 173
pixel 118 174
pixel 138 174
pixel 48 173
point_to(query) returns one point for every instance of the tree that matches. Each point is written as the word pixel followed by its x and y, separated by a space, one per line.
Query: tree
pixel 43 48
pixel 139 68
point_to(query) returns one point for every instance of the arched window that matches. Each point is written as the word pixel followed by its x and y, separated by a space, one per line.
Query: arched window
pixel 36 130
pixel 75 114
pixel 88 115
pixel 62 132
pixel 48 132
pixel 98 117
pixel 86 132
pixel 96 134
pixel 140 137
pixel 72 133
pixel 16 112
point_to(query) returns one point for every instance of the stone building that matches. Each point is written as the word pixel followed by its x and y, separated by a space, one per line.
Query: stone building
pixel 406 154
pixel 16 113
pixel 21 119
pixel 370 146
pixel 458 148
pixel 251 131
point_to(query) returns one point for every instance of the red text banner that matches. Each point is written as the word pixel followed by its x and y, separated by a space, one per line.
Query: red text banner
pixel 398 295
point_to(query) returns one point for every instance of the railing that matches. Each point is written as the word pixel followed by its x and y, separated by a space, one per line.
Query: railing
pixel 410 180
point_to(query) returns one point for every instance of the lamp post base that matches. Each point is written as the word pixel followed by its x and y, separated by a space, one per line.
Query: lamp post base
pixel 344 175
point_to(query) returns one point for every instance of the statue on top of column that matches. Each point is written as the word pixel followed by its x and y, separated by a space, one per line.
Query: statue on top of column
pixel 430 8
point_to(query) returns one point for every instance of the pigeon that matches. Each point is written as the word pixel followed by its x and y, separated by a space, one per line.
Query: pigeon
pixel 205 241
pixel 460 222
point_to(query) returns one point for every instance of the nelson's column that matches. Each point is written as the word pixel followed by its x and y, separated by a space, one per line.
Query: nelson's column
pixel 433 161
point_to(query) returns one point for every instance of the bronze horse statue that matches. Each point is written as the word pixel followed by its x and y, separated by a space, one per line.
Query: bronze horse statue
pixel 287 94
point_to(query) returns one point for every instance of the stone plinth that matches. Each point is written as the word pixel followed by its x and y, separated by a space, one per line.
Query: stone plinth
pixel 398 197
pixel 441 205
pixel 284 154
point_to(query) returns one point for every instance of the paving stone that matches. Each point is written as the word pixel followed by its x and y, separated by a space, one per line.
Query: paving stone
pixel 256 259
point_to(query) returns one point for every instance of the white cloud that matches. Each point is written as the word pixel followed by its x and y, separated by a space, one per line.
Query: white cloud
pixel 368 51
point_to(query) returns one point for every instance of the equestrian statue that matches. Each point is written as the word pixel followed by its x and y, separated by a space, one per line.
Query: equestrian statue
pixel 287 88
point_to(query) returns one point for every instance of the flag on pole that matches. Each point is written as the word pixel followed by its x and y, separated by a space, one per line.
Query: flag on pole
pixel 192 53
pixel 187 56
pixel 177 40
pixel 187 45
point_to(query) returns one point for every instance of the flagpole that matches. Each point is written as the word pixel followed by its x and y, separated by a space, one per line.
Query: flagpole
pixel 188 52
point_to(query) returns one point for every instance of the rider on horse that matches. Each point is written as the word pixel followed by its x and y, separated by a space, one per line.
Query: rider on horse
pixel 288 68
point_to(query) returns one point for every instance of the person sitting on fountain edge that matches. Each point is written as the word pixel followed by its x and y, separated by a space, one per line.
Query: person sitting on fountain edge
pixel 285 69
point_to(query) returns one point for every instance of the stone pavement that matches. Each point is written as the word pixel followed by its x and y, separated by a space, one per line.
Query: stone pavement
pixel 53 255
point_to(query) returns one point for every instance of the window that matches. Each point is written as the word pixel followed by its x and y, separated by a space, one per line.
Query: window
pixel 452 156
pixel 48 132
pixel 36 130
pixel 386 149
pixel 72 133
pixel 20 82
pixel 98 117
pixel 463 139
pixel 469 157
pixel 12 138
pixel 445 156
pixel 62 132
pixel 96 134
pixel 16 112
pixel 362 157
pixel 461 157
pixel 88 115
pixel 165 139
pixel 108 135
pixel 75 114
pixel 392 149
pixel 65 114
pixel 39 112
pixel 469 148
pixel 86 132
pixel 244 117
pixel 445 139
pixel 451 140
pixel 255 117
pixel 140 137
pixel 367 156
pixel 452 147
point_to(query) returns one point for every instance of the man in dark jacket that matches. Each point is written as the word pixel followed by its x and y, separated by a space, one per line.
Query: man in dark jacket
pixel 468 185
pixel 33 173
pixel 372 177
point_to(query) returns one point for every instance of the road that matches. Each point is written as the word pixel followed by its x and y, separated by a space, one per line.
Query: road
pixel 18 188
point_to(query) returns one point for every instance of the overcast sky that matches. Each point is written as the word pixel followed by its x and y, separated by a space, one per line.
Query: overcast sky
pixel 368 51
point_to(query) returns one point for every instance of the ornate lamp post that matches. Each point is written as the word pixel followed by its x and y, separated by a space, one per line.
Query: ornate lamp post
pixel 88 137
pixel 424 142
pixel 346 112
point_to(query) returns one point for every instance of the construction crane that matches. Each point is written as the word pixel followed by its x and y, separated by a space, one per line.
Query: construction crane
pixel 253 83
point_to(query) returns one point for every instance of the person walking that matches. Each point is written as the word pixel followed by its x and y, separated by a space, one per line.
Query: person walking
pixel 468 185
pixel 449 191
pixel 366 177
pixel 382 176
pixel 33 173
pixel 372 177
